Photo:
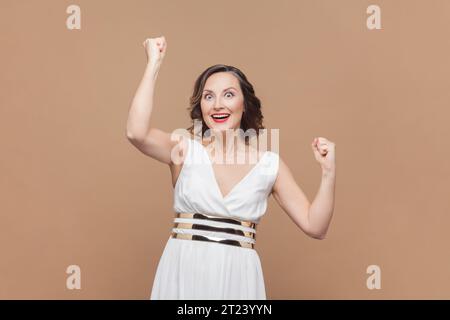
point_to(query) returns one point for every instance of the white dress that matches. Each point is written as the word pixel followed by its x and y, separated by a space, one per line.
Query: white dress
pixel 192 269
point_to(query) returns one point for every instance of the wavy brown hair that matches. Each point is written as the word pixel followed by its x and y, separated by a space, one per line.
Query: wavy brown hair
pixel 252 117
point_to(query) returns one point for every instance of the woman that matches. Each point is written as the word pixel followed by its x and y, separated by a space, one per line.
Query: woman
pixel 210 253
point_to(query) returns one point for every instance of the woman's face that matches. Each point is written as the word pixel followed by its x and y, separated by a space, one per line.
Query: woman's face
pixel 222 102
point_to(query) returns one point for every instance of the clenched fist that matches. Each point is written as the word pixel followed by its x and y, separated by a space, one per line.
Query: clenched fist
pixel 324 152
pixel 155 48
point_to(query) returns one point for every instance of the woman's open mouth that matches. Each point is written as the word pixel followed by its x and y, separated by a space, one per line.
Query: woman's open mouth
pixel 220 117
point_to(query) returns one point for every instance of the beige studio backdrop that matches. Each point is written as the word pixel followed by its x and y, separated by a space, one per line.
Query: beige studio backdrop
pixel 74 191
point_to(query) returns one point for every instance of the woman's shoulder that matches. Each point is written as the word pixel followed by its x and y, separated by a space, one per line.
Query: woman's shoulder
pixel 272 162
pixel 181 148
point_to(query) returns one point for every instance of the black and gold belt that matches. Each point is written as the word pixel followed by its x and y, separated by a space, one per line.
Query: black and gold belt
pixel 224 230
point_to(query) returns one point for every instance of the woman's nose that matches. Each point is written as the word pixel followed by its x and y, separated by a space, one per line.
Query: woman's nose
pixel 218 105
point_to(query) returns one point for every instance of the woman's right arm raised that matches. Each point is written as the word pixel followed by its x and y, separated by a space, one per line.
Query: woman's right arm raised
pixel 150 141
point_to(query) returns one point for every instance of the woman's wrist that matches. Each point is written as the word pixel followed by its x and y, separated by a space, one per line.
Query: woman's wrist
pixel 152 70
pixel 153 66
pixel 328 173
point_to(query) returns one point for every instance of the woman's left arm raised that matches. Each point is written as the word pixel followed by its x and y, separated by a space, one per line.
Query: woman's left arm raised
pixel 313 218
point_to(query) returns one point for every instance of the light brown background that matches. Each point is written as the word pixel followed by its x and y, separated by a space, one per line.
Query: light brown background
pixel 75 191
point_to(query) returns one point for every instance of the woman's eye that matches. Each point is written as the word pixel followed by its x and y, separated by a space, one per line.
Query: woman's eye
pixel 208 95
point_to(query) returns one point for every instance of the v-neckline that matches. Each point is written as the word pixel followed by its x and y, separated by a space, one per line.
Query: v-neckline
pixel 245 177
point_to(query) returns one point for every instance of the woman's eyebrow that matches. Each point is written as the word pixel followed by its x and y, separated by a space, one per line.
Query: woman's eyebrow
pixel 222 90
